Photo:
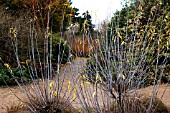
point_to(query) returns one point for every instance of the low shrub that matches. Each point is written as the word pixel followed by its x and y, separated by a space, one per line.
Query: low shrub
pixel 8 76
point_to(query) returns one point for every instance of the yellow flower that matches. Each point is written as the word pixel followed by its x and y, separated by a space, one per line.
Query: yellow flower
pixel 69 85
pixel 71 55
pixel 68 62
pixel 10 70
pixel 74 95
pixel 6 65
pixel 55 93
pixel 122 43
pixel 87 83
pixel 121 76
pixel 80 42
pixel 15 35
pixel 65 42
pixel 100 78
pixel 10 30
pixel 49 34
pixel 93 94
pixel 51 85
pixel 84 76
pixel 28 61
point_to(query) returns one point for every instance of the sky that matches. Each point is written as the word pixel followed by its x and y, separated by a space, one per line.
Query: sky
pixel 99 9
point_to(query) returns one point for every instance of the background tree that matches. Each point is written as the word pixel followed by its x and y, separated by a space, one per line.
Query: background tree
pixel 84 21
pixel 144 21
pixel 21 14
pixel 61 14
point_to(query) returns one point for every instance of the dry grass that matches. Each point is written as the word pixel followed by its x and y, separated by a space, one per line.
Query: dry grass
pixel 16 108
pixel 138 105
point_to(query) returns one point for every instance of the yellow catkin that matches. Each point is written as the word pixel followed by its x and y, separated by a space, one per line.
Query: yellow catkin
pixel 94 93
pixel 55 93
pixel 74 95
pixel 69 85
pixel 51 85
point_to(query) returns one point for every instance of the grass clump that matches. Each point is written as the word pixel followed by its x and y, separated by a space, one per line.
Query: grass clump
pixel 57 106
pixel 138 105
pixel 16 108
pixel 157 105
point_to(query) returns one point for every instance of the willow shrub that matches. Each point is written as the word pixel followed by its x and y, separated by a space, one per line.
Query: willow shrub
pixel 118 70
pixel 128 60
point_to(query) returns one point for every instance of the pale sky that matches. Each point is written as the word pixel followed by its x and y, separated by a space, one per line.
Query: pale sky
pixel 99 9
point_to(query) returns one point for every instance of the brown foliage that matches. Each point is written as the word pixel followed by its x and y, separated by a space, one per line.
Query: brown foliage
pixel 84 46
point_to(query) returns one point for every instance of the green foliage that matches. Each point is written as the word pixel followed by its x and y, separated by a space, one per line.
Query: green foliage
pixel 60 16
pixel 16 14
pixel 144 20
pixel 8 76
pixel 60 48
pixel 84 21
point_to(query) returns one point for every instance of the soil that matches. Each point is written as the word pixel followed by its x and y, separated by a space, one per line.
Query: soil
pixel 68 71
